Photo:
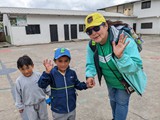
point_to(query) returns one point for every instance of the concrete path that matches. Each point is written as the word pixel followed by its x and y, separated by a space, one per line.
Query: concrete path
pixel 92 104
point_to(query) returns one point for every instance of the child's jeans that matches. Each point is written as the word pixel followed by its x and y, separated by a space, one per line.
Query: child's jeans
pixel 119 101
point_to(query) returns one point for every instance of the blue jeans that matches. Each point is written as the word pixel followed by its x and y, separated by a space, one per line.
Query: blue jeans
pixel 119 101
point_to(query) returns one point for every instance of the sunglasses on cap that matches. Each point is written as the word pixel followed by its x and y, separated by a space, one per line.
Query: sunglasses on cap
pixel 95 29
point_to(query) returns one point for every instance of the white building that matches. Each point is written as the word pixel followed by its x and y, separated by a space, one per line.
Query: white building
pixel 24 26
pixel 146 12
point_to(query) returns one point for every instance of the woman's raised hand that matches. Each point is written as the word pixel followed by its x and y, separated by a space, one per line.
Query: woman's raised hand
pixel 119 48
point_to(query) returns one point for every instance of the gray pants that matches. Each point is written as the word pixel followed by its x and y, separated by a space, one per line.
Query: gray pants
pixel 67 116
pixel 37 112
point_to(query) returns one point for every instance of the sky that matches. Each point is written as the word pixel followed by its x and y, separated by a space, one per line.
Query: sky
pixel 62 4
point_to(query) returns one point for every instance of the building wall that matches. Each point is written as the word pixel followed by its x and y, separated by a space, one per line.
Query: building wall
pixel 111 9
pixel 7 28
pixel 148 15
pixel 155 26
pixel 126 9
pixel 152 11
pixel 120 9
pixel 20 37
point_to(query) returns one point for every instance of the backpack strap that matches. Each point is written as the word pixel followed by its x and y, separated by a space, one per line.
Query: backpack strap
pixel 115 32
pixel 98 68
pixel 92 45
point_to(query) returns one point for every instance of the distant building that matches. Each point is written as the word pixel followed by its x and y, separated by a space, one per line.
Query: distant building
pixel 22 26
pixel 146 12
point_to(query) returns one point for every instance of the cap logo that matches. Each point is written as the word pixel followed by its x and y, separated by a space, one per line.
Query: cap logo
pixel 62 50
pixel 90 19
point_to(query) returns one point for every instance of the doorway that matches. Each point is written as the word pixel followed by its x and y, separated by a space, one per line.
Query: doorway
pixel 73 31
pixel 66 31
pixel 53 33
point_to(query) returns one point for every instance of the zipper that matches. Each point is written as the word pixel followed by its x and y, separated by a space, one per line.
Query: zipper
pixel 66 94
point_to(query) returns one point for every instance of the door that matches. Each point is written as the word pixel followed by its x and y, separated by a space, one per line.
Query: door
pixel 134 27
pixel 66 32
pixel 73 31
pixel 53 33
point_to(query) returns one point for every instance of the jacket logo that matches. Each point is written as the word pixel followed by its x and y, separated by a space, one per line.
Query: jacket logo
pixel 71 77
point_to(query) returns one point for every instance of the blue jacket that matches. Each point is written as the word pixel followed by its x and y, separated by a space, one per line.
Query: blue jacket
pixel 129 65
pixel 63 89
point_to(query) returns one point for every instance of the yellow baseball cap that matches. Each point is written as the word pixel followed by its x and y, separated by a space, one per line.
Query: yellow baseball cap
pixel 94 19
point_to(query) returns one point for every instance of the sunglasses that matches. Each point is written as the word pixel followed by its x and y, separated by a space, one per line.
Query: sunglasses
pixel 95 29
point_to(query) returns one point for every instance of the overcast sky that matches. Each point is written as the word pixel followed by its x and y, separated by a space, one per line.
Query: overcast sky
pixel 62 4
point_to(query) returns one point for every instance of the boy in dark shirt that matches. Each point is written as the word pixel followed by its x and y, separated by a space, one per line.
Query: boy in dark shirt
pixel 63 82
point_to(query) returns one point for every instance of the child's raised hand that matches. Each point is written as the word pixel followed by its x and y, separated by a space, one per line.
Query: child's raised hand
pixel 48 65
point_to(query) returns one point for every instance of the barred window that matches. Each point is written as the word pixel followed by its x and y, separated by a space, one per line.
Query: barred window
pixel 146 5
pixel 81 27
pixel 146 25
pixel 33 29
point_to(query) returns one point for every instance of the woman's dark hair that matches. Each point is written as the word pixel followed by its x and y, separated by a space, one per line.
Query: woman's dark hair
pixel 115 23
pixel 24 60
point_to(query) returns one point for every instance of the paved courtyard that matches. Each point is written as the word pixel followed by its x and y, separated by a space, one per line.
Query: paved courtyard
pixel 92 104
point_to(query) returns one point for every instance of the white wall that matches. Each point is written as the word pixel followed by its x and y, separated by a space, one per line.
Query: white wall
pixel 6 23
pixel 120 9
pixel 155 26
pixel 148 15
pixel 111 9
pixel 21 38
pixel 152 11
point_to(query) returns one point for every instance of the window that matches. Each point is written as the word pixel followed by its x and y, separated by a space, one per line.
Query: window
pixel 13 21
pixel 33 29
pixel 146 25
pixel 81 27
pixel 146 4
pixel 20 20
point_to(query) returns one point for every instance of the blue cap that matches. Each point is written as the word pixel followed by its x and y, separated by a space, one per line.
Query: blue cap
pixel 61 52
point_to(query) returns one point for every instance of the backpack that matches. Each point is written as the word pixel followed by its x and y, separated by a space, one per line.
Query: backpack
pixel 115 31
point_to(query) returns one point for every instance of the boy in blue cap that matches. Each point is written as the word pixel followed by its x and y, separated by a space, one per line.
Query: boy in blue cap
pixel 63 82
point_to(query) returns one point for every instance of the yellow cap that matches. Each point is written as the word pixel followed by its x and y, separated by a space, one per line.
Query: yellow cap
pixel 94 19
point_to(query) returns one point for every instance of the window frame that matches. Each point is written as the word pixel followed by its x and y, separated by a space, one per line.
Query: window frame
pixel 32 29
pixel 146 5
pixel 148 25
pixel 81 27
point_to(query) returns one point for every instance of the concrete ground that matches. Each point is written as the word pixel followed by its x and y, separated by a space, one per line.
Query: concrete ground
pixel 92 104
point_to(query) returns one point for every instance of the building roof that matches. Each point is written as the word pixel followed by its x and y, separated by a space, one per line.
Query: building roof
pixel 121 4
pixel 40 11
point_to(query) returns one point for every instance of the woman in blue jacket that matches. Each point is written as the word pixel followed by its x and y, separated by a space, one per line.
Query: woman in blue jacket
pixel 118 63
pixel 63 82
